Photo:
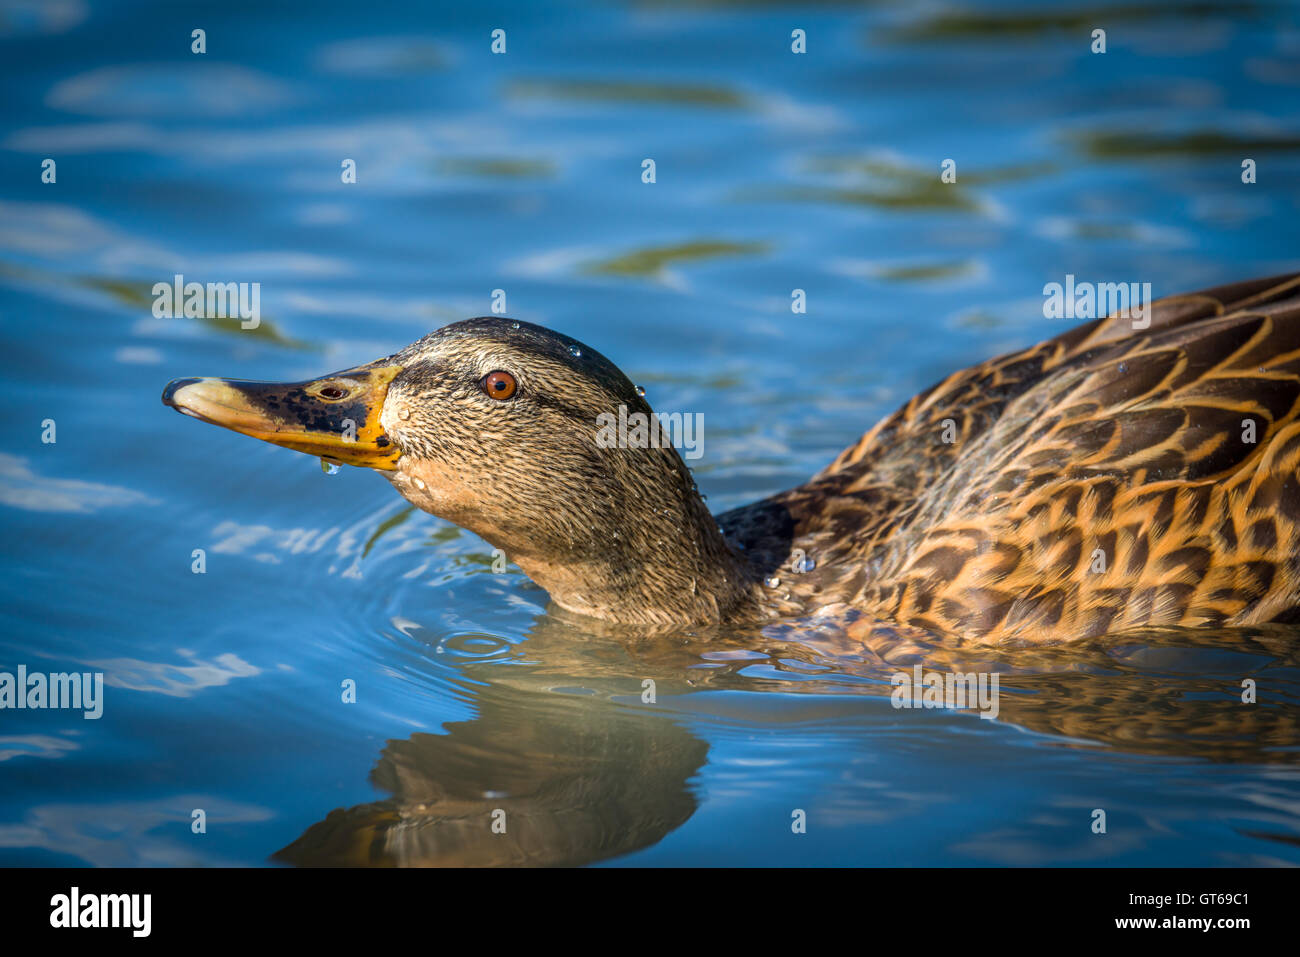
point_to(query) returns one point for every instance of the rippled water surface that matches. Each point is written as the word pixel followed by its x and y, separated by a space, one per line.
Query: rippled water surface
pixel 522 172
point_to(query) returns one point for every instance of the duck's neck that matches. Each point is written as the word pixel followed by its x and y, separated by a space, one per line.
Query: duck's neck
pixel 657 559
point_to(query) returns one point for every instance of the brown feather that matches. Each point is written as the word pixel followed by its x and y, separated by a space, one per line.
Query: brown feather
pixel 1102 480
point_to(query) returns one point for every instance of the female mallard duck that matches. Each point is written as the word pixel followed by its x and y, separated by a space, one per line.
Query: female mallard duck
pixel 1109 478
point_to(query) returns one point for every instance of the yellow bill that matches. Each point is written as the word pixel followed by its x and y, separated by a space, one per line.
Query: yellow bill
pixel 337 417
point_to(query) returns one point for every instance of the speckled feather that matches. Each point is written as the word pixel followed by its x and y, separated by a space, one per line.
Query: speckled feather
pixel 1099 481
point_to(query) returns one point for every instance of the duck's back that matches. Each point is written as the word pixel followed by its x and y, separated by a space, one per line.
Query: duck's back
pixel 1110 478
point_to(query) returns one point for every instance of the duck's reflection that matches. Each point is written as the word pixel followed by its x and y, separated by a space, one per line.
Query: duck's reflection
pixel 573 777
pixel 1169 692
pixel 538 778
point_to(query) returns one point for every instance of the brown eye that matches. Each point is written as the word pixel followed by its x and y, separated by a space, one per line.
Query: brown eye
pixel 333 392
pixel 499 385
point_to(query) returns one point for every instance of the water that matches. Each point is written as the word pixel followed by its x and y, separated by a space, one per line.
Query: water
pixel 522 172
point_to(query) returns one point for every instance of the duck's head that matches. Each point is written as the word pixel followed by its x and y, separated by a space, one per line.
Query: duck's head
pixel 503 428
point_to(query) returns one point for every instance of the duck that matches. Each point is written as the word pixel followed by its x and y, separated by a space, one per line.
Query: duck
pixel 1121 475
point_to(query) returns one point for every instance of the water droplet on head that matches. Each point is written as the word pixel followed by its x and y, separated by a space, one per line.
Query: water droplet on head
pixel 804 564
pixel 575 352
pixel 330 468
pixel 1123 368
pixel 514 325
pixel 419 483
pixel 640 391
pixel 771 581
pixel 403 413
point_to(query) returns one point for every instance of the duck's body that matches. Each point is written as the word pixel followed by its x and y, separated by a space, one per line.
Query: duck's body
pixel 1103 480
pixel 1109 478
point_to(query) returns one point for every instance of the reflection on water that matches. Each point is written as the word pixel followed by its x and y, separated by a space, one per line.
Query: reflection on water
pixel 533 779
pixel 1109 144
pixel 605 90
pixel 125 834
pixel 522 173
pixel 567 761
pixel 649 262
pixel 1004 25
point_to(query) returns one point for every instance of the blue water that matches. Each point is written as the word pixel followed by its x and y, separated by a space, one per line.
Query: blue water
pixel 523 172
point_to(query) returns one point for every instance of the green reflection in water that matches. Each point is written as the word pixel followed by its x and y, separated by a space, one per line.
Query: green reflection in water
pixel 495 167
pixel 613 91
pixel 652 260
pixel 137 294
pixel 918 196
pixel 1018 24
pixel 888 185
pixel 386 526
pixel 888 170
pixel 1113 144
pixel 925 271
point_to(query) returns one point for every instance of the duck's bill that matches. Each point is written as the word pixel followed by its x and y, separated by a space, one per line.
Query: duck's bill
pixel 337 417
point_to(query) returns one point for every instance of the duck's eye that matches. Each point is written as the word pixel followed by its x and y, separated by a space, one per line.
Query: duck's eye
pixel 333 392
pixel 499 385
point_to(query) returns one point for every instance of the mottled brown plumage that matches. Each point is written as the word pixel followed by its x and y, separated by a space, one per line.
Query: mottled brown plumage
pixel 1111 478
pixel 1098 481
